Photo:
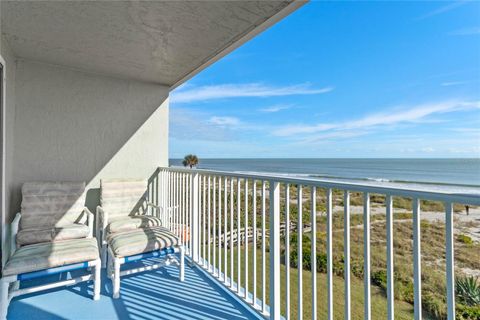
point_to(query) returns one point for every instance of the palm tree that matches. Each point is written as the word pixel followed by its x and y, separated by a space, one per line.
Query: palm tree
pixel 190 160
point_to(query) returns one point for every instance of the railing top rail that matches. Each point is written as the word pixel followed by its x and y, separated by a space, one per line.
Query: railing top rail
pixel 407 191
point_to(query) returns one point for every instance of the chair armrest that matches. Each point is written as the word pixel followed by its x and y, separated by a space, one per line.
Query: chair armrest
pixel 102 221
pixel 90 220
pixel 13 233
pixel 157 208
pixel 149 204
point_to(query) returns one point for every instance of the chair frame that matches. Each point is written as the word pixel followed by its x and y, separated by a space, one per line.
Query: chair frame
pixel 114 264
pixel 101 226
pixel 8 291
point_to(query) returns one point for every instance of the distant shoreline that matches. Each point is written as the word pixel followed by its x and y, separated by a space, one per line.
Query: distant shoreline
pixel 452 173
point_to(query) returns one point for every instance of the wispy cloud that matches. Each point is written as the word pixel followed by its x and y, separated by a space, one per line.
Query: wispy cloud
pixel 443 9
pixel 224 121
pixel 428 149
pixel 452 83
pixel 188 125
pixel 465 31
pixel 223 91
pixel 275 108
pixel 397 116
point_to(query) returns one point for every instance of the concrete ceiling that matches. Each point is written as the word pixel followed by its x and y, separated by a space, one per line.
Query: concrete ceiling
pixel 155 41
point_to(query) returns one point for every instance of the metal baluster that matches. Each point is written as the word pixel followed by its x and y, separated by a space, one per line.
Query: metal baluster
pixel 450 261
pixel 417 261
pixel 300 251
pixel 390 279
pixel 209 223
pixel 254 209
pixel 313 255
pixel 329 256
pixel 238 233
pixel 287 251
pixel 220 228
pixel 214 225
pixel 346 253
pixel 231 232
pixel 225 266
pixel 264 264
pixel 367 315
pixel 246 240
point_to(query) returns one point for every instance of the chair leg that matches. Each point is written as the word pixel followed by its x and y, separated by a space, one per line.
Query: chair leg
pixel 116 278
pixel 4 285
pixel 109 266
pixel 182 263
pixel 97 283
pixel 103 255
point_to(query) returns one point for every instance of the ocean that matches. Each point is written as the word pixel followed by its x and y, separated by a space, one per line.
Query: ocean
pixel 457 174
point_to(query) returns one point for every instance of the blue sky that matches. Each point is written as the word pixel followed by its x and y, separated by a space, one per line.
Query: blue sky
pixel 341 79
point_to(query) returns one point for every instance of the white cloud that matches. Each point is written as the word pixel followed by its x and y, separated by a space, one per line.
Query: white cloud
pixel 397 116
pixel 428 149
pixel 443 9
pixel 465 31
pixel 275 108
pixel 188 125
pixel 224 121
pixel 223 91
pixel 334 135
pixel 452 83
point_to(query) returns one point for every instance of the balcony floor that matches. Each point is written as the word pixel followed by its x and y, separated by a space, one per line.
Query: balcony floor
pixel 150 295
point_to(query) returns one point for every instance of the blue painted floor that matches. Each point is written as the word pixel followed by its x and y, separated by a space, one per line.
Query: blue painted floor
pixel 150 295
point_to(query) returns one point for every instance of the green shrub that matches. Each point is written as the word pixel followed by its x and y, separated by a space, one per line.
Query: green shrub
pixel 467 313
pixel 404 291
pixel 357 269
pixel 379 278
pixel 467 290
pixel 463 238
pixel 434 305
pixel 321 262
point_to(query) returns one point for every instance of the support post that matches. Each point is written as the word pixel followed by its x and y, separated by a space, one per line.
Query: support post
pixel 97 281
pixel 449 246
pixel 182 263
pixel 4 285
pixel 116 278
pixel 195 228
pixel 275 250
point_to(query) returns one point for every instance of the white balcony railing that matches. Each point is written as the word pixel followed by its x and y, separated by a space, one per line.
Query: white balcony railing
pixel 218 214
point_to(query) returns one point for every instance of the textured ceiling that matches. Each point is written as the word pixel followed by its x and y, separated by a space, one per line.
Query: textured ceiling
pixel 153 41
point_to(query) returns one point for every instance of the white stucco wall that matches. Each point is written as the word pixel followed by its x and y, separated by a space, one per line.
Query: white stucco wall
pixel 10 67
pixel 76 126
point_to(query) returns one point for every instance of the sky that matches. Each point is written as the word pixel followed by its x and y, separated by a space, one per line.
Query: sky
pixel 341 80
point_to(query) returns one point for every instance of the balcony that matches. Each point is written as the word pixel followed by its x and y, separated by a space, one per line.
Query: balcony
pixel 153 295
pixel 240 232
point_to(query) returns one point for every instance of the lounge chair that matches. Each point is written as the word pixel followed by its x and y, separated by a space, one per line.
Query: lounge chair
pixel 130 229
pixel 52 234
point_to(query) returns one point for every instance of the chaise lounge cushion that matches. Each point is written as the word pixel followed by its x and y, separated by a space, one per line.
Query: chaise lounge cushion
pixel 47 255
pixel 123 198
pixel 137 241
pixel 52 204
pixel 45 234
pixel 123 224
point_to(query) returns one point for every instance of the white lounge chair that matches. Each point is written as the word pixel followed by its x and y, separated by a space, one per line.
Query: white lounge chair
pixel 51 235
pixel 131 228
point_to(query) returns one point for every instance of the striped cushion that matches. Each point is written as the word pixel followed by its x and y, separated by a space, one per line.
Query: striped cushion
pixel 47 255
pixel 141 240
pixel 52 204
pixel 120 198
pixel 131 223
pixel 37 235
